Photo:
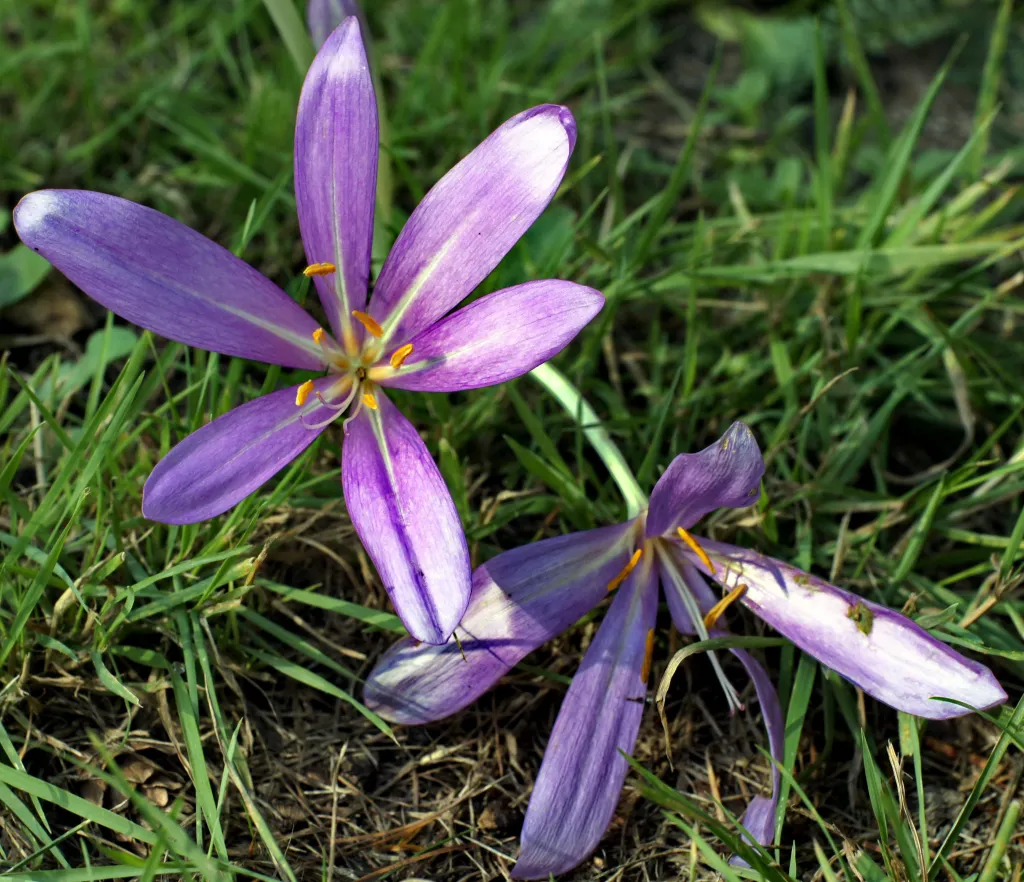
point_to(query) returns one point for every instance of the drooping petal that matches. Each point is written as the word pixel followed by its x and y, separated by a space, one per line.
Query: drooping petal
pixel 521 599
pixel 725 475
pixel 883 652
pixel 323 16
pixel 498 337
pixel 405 517
pixel 159 274
pixel 223 462
pixel 581 777
pixel 759 817
pixel 471 218
pixel 336 174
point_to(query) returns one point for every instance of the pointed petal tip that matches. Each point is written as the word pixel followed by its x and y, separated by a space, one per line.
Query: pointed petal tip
pixel 31 212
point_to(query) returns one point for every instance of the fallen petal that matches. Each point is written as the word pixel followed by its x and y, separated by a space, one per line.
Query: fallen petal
pixel 220 464
pixel 471 218
pixel 725 475
pixel 883 652
pixel 159 274
pixel 498 337
pixel 405 517
pixel 521 599
pixel 336 174
pixel 581 777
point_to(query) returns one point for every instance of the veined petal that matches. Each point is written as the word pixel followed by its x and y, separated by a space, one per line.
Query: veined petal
pixel 223 462
pixel 883 652
pixel 323 16
pixel 336 174
pixel 159 274
pixel 498 337
pixel 521 599
pixel 725 475
pixel 405 517
pixel 471 218
pixel 759 817
pixel 581 777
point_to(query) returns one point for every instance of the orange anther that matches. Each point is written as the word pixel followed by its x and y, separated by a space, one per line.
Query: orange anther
pixel 696 549
pixel 319 269
pixel 645 672
pixel 369 400
pixel 368 322
pixel 626 570
pixel 715 613
pixel 302 393
pixel 318 336
pixel 400 355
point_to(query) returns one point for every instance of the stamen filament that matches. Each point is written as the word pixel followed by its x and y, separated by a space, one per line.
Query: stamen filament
pixel 645 671
pixel 302 393
pixel 400 355
pixel 369 400
pixel 319 269
pixel 715 613
pixel 368 322
pixel 696 549
pixel 626 570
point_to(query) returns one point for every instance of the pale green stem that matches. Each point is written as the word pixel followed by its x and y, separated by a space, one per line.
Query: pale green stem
pixel 566 394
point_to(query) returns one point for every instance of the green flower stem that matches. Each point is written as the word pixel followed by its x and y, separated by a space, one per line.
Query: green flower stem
pixel 566 394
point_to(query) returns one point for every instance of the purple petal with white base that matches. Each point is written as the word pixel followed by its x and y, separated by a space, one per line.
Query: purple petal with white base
pixel 336 173
pixel 883 652
pixel 581 777
pixel 471 218
pixel 159 274
pixel 223 462
pixel 498 337
pixel 521 599
pixel 405 518
pixel 725 475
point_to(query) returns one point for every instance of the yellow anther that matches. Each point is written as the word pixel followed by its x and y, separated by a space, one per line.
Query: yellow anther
pixel 302 393
pixel 626 570
pixel 400 355
pixel 318 336
pixel 715 613
pixel 696 549
pixel 368 322
pixel 319 269
pixel 645 671
pixel 369 400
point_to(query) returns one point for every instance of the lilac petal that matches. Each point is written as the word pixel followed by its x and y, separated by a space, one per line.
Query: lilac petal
pixel 159 274
pixel 323 16
pixel 405 517
pixel 336 174
pixel 471 218
pixel 581 777
pixel 521 599
pixel 223 462
pixel 883 652
pixel 725 475
pixel 759 818
pixel 498 337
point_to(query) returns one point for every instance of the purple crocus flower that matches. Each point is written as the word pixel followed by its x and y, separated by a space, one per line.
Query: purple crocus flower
pixel 526 596
pixel 159 274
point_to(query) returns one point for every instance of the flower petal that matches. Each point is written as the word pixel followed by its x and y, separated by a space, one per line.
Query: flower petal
pixel 883 652
pixel 223 462
pixel 581 777
pixel 725 475
pixel 405 517
pixel 323 16
pixel 521 599
pixel 336 173
pixel 471 218
pixel 159 274
pixel 498 337
pixel 759 818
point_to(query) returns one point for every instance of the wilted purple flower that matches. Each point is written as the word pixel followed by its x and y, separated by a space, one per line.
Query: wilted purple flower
pixel 526 596
pixel 161 275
